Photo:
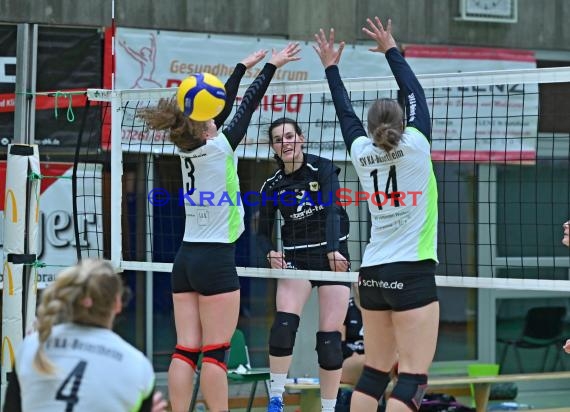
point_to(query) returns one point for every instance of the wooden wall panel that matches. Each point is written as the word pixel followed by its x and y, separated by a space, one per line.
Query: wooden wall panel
pixel 542 24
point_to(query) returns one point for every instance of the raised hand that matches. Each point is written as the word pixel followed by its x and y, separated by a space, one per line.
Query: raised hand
pixel 158 403
pixel 254 58
pixel 325 48
pixel 383 37
pixel 337 262
pixel 288 54
pixel 276 260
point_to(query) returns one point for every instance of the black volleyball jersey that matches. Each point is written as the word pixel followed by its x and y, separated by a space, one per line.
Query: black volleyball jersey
pixel 354 338
pixel 308 202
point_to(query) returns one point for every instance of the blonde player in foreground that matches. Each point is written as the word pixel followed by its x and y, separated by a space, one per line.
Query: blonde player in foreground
pixel 400 308
pixel 75 362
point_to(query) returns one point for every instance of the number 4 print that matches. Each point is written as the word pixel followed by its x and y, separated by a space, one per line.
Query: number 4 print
pixel 67 392
pixel 392 183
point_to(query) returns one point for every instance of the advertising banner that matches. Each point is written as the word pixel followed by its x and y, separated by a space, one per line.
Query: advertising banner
pixel 468 124
pixel 56 232
pixel 68 60
pixel 497 123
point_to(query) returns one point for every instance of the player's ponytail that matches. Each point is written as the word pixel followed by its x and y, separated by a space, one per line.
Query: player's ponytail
pixel 385 123
pixel 186 134
pixel 85 294
pixel 50 312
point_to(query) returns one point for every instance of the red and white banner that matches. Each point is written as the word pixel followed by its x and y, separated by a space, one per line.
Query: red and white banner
pixel 151 59
pixel 82 50
pixel 468 124
pixel 56 230
pixel 497 123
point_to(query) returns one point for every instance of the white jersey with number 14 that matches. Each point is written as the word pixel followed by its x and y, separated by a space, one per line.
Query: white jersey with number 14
pixel 403 192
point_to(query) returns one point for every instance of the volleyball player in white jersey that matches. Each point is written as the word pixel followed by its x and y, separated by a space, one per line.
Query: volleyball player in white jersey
pixel 566 242
pixel 398 295
pixel 205 283
pixel 74 362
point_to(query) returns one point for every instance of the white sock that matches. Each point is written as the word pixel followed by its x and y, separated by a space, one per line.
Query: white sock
pixel 277 384
pixel 327 405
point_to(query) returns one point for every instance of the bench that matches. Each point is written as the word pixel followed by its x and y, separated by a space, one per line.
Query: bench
pixel 482 384
pixel 310 398
pixel 551 410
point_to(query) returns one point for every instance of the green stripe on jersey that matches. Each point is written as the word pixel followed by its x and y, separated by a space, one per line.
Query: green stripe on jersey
pixel 143 396
pixel 232 187
pixel 416 130
pixel 427 245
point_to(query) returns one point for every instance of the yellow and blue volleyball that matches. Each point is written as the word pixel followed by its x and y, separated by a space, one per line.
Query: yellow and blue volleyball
pixel 201 96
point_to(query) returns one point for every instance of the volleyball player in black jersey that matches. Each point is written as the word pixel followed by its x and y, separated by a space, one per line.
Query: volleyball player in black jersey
pixel 314 234
pixel 352 344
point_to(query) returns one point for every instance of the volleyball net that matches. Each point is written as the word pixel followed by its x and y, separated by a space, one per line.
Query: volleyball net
pixel 499 150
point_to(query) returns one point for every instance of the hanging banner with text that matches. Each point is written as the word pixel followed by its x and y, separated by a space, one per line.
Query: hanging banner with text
pixel 497 123
pixel 159 59
pixel 56 230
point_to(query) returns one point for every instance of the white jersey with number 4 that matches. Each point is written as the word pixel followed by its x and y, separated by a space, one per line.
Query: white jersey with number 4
pixel 95 370
pixel 404 226
pixel 214 212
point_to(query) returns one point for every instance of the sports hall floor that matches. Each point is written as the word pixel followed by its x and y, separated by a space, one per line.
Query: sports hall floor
pixel 537 395
pixel 534 399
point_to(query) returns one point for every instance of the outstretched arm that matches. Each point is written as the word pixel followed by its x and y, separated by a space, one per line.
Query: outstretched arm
pixel 238 126
pixel 267 211
pixel 232 84
pixel 130 51
pixel 329 184
pixel 350 124
pixel 416 105
pixel 266 221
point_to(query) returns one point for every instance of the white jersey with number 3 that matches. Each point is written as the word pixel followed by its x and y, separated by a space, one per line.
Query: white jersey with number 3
pixel 404 226
pixel 214 212
pixel 95 370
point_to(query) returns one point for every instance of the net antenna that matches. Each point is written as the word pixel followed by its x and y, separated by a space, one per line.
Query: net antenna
pixel 487 149
pixel 113 44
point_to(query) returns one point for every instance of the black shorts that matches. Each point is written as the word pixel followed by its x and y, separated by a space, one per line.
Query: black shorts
pixel 315 258
pixel 206 268
pixel 397 286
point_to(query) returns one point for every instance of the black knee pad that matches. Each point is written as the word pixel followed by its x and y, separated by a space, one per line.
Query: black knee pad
pixel 188 355
pixel 410 389
pixel 372 382
pixel 217 354
pixel 329 350
pixel 283 333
